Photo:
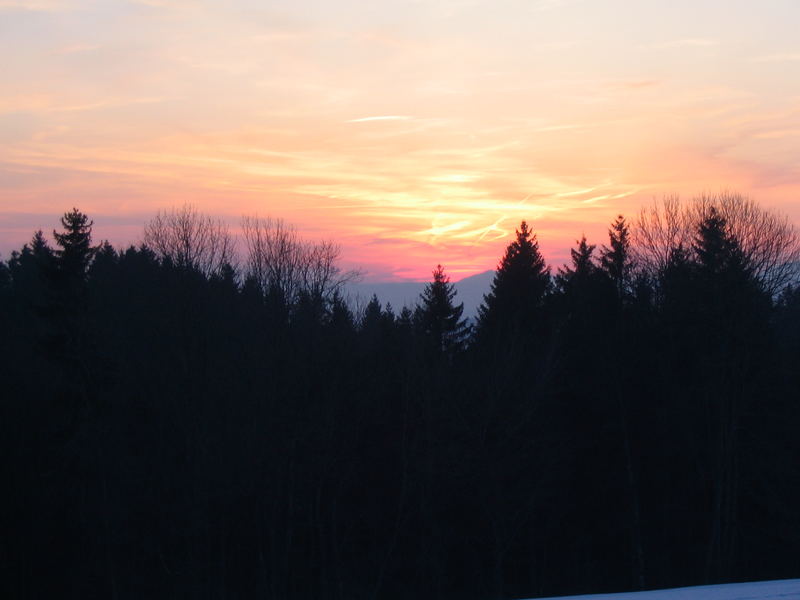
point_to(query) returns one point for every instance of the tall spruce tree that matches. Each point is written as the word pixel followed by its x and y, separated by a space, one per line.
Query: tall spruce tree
pixel 75 244
pixel 370 320
pixel 438 319
pixel 5 277
pixel 584 290
pixel 719 254
pixel 582 268
pixel 68 306
pixel 29 269
pixel 518 290
pixel 68 277
pixel 615 258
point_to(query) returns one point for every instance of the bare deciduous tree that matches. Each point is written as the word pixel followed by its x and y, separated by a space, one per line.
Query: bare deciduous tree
pixel 190 239
pixel 278 259
pixel 272 254
pixel 768 240
pixel 660 229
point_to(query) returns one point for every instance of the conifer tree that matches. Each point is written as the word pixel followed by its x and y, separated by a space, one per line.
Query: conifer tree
pixel 340 317
pixel 372 315
pixel 76 246
pixel 404 319
pixel 105 261
pixel 582 268
pixel 520 284
pixel 733 314
pixel 67 308
pixel 615 258
pixel 438 319
pixel 5 276
pixel 29 269
pixel 370 324
pixel 718 252
pixel 5 304
pixel 252 292
pixel 40 249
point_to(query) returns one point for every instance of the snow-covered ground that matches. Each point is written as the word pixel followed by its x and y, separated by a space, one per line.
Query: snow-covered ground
pixel 787 589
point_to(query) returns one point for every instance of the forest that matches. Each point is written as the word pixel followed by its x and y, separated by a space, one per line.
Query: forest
pixel 189 418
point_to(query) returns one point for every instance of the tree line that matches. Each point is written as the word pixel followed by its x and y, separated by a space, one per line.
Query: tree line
pixel 177 424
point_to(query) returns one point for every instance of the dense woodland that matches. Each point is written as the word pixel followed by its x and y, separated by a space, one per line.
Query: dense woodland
pixel 180 420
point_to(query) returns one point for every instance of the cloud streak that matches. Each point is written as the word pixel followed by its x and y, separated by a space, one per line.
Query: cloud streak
pixel 688 43
pixel 380 118
pixel 778 58
pixel 38 5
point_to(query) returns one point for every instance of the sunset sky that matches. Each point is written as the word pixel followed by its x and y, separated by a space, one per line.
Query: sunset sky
pixel 411 132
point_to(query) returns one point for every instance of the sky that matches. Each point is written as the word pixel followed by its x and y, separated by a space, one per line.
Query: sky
pixel 411 132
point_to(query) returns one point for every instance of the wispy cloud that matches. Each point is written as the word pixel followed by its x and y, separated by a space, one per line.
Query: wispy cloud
pixel 75 49
pixel 551 4
pixel 784 57
pixel 687 43
pixel 163 3
pixel 380 118
pixel 633 84
pixel 38 5
pixel 44 104
pixel 777 134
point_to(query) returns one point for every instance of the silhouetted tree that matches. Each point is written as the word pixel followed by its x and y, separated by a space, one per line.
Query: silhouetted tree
pixel 278 259
pixel 438 319
pixel 769 243
pixel 371 319
pixel 190 240
pixel 30 269
pixel 615 258
pixel 170 423
pixel 75 243
pixel 67 307
pixel 518 289
pixel 617 263
pixel 582 269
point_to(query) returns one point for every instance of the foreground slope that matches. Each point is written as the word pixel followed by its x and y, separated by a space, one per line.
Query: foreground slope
pixel 787 589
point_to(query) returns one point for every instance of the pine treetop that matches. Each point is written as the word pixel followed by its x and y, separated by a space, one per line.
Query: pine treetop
pixel 520 283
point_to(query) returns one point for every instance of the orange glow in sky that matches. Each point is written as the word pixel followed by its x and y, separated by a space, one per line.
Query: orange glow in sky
pixel 411 132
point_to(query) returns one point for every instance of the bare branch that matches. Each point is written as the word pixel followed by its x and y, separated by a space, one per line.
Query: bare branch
pixel 278 259
pixel 769 241
pixel 190 240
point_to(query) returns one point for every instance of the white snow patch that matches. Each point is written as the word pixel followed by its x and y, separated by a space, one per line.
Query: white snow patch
pixel 787 589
